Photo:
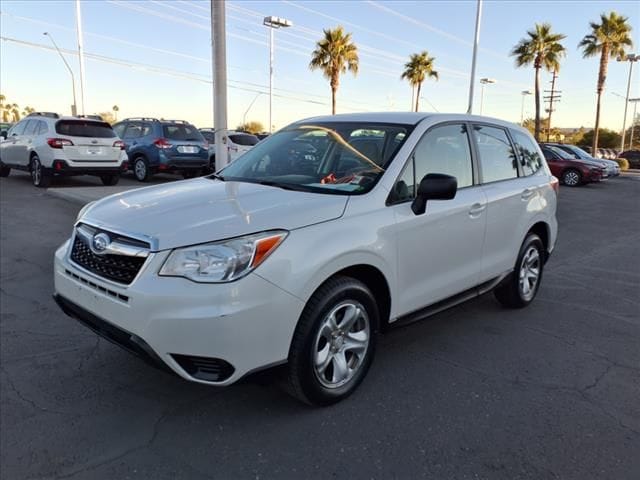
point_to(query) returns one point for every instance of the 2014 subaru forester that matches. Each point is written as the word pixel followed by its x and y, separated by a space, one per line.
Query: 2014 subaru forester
pixel 283 258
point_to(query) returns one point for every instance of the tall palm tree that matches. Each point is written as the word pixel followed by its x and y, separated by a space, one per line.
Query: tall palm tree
pixel 334 55
pixel 15 112
pixel 417 70
pixel 543 49
pixel 609 38
pixel 27 110
pixel 115 109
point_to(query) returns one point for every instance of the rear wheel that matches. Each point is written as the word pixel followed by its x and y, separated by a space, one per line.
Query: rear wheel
pixel 334 342
pixel 571 178
pixel 39 176
pixel 141 169
pixel 4 171
pixel 110 180
pixel 520 288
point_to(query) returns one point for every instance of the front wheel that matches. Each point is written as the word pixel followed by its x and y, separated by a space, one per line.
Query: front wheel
pixel 109 180
pixel 521 286
pixel 39 176
pixel 334 342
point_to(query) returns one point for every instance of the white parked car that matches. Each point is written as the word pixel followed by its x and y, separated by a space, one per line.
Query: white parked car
pixel 302 258
pixel 46 144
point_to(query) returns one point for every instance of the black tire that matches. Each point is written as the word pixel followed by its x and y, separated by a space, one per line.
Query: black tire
pixel 110 180
pixel 39 176
pixel 572 177
pixel 4 171
pixel 511 293
pixel 141 169
pixel 212 164
pixel 303 381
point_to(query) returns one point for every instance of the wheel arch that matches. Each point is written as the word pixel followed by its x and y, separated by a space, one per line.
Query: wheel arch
pixel 543 230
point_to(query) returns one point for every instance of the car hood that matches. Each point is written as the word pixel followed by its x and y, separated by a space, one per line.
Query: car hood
pixel 204 210
pixel 592 162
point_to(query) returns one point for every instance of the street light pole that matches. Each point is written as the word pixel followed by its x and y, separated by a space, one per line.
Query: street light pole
pixel 80 53
pixel 74 108
pixel 472 80
pixel 219 65
pixel 633 120
pixel 524 94
pixel 244 117
pixel 483 82
pixel 631 58
pixel 273 23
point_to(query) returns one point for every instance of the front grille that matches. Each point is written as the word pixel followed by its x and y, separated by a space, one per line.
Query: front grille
pixel 205 368
pixel 118 268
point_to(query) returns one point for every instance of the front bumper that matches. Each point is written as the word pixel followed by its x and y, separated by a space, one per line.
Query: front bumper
pixel 175 323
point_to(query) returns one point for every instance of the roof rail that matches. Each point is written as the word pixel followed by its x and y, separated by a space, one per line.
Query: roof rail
pixel 44 114
pixel 173 121
pixel 145 119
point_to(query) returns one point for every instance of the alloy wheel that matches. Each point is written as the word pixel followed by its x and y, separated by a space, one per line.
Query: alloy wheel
pixel 571 179
pixel 529 274
pixel 36 171
pixel 341 344
pixel 140 169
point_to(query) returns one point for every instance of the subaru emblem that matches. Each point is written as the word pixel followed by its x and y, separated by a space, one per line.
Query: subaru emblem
pixel 94 141
pixel 100 243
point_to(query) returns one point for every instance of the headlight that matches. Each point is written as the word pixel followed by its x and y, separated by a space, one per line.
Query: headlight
pixel 223 261
pixel 84 209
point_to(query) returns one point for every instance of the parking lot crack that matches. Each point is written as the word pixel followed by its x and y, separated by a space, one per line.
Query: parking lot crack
pixel 25 399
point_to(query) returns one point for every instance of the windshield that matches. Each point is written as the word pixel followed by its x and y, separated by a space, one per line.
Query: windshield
pixel 579 152
pixel 182 131
pixel 342 158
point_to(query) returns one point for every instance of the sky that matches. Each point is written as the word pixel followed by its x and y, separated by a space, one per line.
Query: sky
pixel 153 58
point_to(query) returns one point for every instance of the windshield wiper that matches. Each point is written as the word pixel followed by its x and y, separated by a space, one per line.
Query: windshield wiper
pixel 217 177
pixel 284 186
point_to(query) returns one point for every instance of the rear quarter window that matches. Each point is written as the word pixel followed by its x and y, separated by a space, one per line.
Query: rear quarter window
pixel 84 128
pixel 530 160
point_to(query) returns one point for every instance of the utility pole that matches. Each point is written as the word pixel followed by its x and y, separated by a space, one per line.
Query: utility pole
pixel 219 65
pixel 80 53
pixel 273 23
pixel 551 98
pixel 74 108
pixel 472 80
pixel 483 82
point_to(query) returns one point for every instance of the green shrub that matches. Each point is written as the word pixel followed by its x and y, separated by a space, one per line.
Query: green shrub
pixel 623 162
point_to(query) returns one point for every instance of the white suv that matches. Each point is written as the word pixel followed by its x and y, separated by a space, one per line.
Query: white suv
pixel 46 144
pixel 302 259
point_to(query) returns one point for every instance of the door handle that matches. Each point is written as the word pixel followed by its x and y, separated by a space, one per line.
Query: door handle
pixel 476 209
pixel 527 194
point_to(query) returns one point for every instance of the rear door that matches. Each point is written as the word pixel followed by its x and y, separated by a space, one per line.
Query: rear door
pixel 510 193
pixel 22 147
pixel 93 141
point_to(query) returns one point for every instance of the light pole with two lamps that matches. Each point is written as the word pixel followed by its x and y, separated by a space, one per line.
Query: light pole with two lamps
pixel 631 58
pixel 524 94
pixel 273 23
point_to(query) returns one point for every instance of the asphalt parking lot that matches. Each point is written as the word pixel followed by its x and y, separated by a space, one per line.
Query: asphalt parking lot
pixel 552 391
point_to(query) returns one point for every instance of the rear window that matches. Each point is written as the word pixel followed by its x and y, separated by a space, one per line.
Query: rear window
pixel 244 139
pixel 84 128
pixel 182 131
pixel 209 136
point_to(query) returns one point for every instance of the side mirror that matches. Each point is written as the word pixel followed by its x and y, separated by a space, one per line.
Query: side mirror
pixel 434 186
pixel 3 134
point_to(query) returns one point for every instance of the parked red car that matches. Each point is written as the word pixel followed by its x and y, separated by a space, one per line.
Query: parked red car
pixel 569 170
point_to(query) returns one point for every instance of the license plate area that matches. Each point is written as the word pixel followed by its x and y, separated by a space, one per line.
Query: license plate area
pixel 187 149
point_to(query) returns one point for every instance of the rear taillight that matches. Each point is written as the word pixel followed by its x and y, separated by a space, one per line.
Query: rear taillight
pixel 118 144
pixel 59 142
pixel 162 143
pixel 206 145
pixel 555 184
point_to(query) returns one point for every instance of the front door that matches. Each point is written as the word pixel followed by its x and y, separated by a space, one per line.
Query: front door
pixel 439 252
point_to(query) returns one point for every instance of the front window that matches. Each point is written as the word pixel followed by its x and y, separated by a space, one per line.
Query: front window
pixel 561 153
pixel 342 158
pixel 578 152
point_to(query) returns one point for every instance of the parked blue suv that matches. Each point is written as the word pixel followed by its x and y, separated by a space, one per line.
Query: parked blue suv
pixel 163 146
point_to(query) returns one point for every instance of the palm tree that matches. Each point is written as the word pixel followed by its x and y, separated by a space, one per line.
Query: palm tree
pixel 115 109
pixel 27 110
pixel 15 112
pixel 417 69
pixel 335 54
pixel 543 49
pixel 609 38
